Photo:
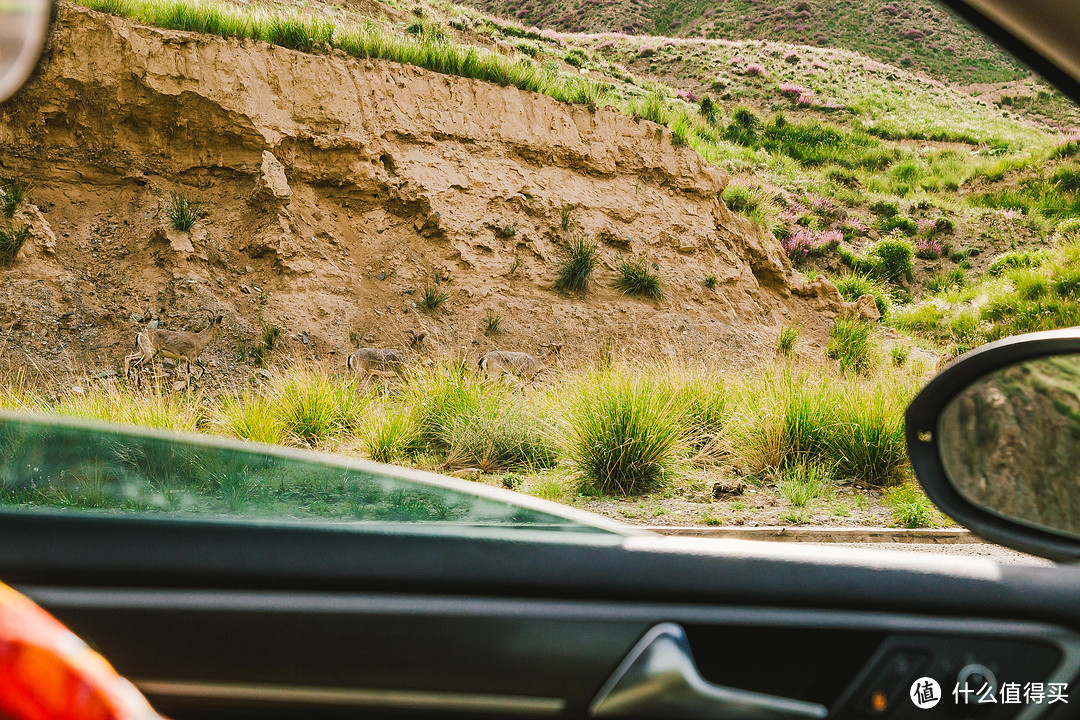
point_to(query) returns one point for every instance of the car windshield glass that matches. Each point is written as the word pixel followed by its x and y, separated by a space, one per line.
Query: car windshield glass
pixel 76 466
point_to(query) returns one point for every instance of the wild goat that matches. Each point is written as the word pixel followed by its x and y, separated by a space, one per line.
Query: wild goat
pixel 384 362
pixel 172 344
pixel 498 363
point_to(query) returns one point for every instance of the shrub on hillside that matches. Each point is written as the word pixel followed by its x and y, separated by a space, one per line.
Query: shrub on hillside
pixel 892 258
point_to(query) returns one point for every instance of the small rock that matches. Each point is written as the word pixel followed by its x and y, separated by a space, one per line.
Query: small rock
pixel 76 390
pixel 469 473
pixel 725 488
pixel 263 373
pixel 382 275
pixel 304 338
pixel 153 324
pixel 106 374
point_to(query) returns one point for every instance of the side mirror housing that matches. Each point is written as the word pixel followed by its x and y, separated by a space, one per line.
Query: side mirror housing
pixel 995 442
pixel 24 28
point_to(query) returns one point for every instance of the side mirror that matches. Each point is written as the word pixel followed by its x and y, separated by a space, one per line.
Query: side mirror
pixel 24 28
pixel 995 442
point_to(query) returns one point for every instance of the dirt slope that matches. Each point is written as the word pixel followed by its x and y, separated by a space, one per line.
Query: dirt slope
pixel 335 190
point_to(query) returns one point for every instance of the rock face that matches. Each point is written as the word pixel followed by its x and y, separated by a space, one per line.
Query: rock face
pixel 335 189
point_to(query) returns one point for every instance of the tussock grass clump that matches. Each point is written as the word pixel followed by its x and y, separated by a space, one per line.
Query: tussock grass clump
pixel 433 297
pixel 492 322
pixel 393 438
pixel 499 433
pixel 183 212
pixel 622 434
pixel 11 242
pixel 849 344
pixel 249 416
pixel 710 282
pixel 314 407
pixel 474 423
pixel 785 344
pixel 577 264
pixel 12 194
pixel 803 482
pixel 853 426
pixel 637 278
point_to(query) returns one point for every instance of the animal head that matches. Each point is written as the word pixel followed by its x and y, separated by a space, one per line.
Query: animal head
pixel 349 362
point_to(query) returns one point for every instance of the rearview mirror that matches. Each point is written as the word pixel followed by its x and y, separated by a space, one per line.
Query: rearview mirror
pixel 995 442
pixel 24 27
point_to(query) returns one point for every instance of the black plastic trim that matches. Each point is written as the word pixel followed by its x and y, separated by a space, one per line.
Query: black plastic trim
pixel 1049 71
pixel 921 430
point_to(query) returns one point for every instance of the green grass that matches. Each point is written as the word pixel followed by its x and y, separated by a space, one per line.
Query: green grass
pixel 801 483
pixel 11 242
pixel 393 438
pixel 852 286
pixel 622 434
pixel 637 278
pixel 433 297
pixel 577 264
pixel 1023 291
pixel 785 344
pixel 850 345
pixel 492 322
pixel 183 212
pixel 292 29
pixel 710 282
pixel 12 195
pixel 910 507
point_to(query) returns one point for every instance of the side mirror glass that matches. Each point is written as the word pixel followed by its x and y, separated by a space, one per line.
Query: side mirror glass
pixel 1010 443
pixel 995 441
pixel 24 28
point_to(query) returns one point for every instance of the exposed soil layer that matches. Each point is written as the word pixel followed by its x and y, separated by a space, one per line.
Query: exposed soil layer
pixel 335 190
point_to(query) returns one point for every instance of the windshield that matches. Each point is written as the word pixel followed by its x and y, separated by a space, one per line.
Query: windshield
pixel 678 265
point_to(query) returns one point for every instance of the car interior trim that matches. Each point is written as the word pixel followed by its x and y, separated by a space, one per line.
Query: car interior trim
pixel 387 699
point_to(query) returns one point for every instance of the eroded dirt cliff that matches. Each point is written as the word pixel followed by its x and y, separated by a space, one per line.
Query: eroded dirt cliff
pixel 335 190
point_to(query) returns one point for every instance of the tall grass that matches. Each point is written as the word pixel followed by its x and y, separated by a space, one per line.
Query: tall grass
pixel 622 434
pixel 297 31
pixel 11 242
pixel 622 429
pixel 849 344
pixel 12 194
pixel 576 265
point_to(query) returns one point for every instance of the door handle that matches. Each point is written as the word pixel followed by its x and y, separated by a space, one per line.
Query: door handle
pixel 659 679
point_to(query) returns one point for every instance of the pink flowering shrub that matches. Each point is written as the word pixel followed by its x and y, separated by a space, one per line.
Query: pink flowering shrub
pixel 821 64
pixel 687 95
pixel 791 57
pixel 791 89
pixel 929 248
pixel 804 242
pixel 914 34
pixel 890 9
pixel 754 69
pixel 807 99
pixel 606 44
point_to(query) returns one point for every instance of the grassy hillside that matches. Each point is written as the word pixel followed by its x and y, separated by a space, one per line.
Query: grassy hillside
pixel 912 34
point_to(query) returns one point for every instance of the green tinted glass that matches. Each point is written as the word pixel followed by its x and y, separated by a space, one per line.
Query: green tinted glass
pixel 80 466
